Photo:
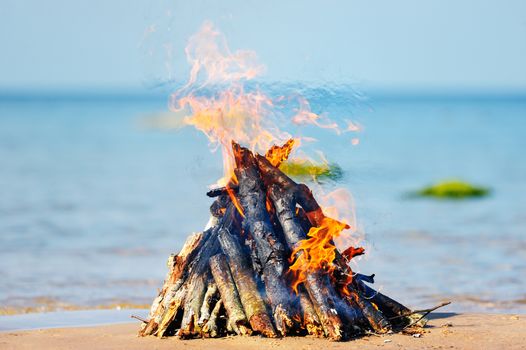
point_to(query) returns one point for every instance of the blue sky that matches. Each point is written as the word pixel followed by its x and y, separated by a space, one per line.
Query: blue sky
pixel 398 44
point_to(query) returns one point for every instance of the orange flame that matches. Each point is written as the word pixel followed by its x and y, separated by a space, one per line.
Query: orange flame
pixel 217 101
pixel 278 154
pixel 318 251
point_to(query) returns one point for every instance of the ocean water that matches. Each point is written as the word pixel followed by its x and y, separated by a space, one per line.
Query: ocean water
pixel 92 202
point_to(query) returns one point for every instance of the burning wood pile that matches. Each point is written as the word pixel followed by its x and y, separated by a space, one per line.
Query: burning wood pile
pixel 267 264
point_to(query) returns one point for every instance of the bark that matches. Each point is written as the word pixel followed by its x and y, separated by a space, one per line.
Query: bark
pixel 198 275
pixel 270 251
pixel 174 279
pixel 243 275
pixel 212 328
pixel 323 296
pixel 311 322
pixel 208 303
pixel 229 294
pixel 375 317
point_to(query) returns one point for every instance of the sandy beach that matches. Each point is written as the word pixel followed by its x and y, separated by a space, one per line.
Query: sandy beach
pixel 444 331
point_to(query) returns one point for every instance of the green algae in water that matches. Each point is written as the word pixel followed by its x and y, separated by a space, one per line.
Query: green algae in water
pixel 310 170
pixel 453 189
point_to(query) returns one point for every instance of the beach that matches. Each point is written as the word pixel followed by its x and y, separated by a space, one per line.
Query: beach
pixel 444 331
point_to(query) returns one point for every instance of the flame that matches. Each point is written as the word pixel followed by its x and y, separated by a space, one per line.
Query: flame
pixel 318 251
pixel 233 196
pixel 277 154
pixel 218 101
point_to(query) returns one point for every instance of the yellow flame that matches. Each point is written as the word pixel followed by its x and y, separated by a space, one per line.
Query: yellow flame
pixel 217 101
pixel 318 251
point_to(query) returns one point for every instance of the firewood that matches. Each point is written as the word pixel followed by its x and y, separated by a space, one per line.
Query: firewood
pixel 190 303
pixel 208 303
pixel 212 329
pixel 229 294
pixel 173 281
pixel 234 277
pixel 200 273
pixel 318 286
pixel 375 317
pixel 285 196
pixel 270 251
pixel 240 266
pixel 219 191
pixel 193 303
pixel 311 321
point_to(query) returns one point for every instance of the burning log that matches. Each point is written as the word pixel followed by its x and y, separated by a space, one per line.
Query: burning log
pixel 253 269
pixel 322 296
pixel 270 251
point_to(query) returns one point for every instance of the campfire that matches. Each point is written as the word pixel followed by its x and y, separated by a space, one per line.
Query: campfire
pixel 267 262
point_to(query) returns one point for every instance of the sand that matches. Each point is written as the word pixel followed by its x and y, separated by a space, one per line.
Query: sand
pixel 445 331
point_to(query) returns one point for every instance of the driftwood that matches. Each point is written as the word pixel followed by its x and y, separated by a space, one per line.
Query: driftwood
pixel 235 277
pixel 237 319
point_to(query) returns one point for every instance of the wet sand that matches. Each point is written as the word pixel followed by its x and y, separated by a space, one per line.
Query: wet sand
pixel 445 331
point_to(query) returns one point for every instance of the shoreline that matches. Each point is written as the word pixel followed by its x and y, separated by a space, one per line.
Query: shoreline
pixel 444 330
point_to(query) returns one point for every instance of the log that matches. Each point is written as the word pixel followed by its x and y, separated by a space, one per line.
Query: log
pixel 174 279
pixel 285 193
pixel 190 303
pixel 216 192
pixel 310 318
pixel 208 303
pixel 193 303
pixel 270 251
pixel 322 295
pixel 243 275
pixel 375 317
pixel 389 307
pixel 229 294
pixel 212 328
pixel 302 193
pixel 200 272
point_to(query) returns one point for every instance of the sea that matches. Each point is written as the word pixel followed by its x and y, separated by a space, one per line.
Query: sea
pixel 93 199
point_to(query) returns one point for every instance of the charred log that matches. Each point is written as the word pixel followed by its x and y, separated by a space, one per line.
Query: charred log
pixel 270 251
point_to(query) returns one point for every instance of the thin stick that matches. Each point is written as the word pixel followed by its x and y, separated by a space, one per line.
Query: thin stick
pixel 139 318
pixel 424 311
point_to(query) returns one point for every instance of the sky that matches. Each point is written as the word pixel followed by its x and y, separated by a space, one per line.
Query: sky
pixel 392 44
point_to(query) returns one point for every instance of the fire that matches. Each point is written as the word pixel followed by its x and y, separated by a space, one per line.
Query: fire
pixel 277 154
pixel 318 252
pixel 221 100
pixel 218 101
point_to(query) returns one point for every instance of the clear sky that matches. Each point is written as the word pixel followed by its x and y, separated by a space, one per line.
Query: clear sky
pixel 408 44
